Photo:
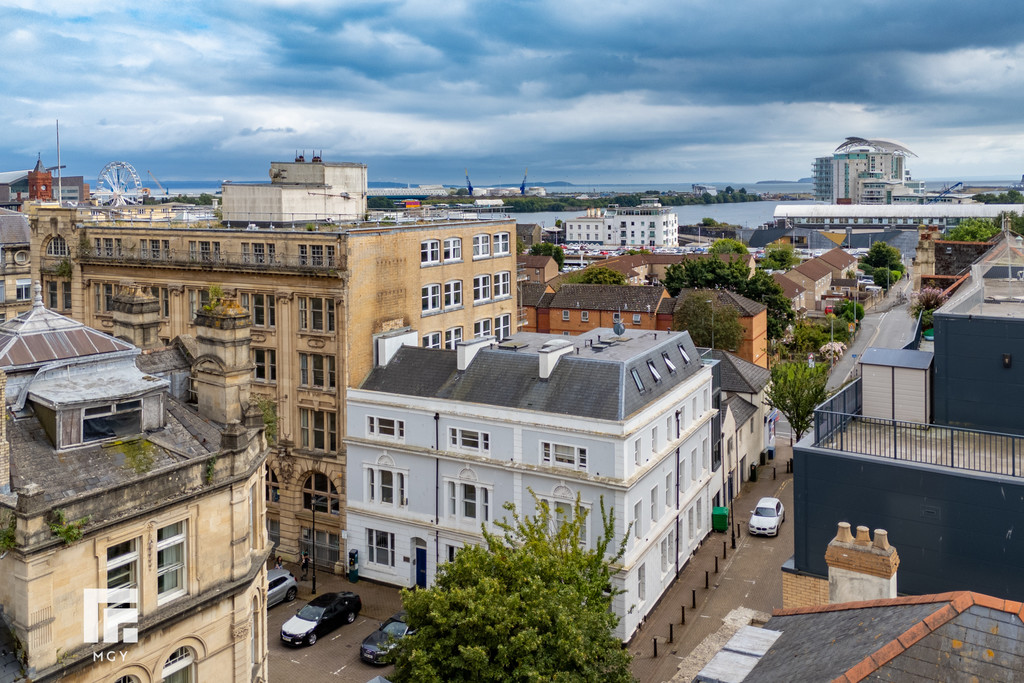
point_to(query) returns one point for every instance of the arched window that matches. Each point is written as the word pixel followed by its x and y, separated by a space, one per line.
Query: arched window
pixel 273 487
pixel 57 247
pixel 180 666
pixel 320 488
pixel 127 679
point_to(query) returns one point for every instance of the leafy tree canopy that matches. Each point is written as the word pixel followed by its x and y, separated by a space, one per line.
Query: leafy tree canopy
pixel 885 278
pixel 973 230
pixel 599 275
pixel 694 314
pixel 532 604
pixel 850 311
pixel 795 390
pixel 704 273
pixel 762 288
pixel 728 246
pixel 548 249
pixel 1009 197
pixel 779 258
pixel 881 254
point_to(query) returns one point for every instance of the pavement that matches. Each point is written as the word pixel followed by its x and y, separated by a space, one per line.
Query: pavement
pixel 748 586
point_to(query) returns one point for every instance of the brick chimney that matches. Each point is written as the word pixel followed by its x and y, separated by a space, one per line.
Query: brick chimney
pixel 5 446
pixel 861 568
pixel 222 369
pixel 137 316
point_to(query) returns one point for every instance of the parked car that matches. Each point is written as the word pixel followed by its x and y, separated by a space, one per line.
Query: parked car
pixel 767 517
pixel 384 639
pixel 321 615
pixel 281 587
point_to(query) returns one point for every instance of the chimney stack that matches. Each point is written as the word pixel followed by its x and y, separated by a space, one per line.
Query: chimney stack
pixel 222 368
pixel 550 353
pixel 859 568
pixel 465 351
pixel 137 316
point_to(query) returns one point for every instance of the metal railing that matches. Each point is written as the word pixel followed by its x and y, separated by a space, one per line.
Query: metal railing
pixel 326 555
pixel 834 413
pixel 952 447
pixel 214 259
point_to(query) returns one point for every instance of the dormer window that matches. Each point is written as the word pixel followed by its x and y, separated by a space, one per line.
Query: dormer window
pixel 111 420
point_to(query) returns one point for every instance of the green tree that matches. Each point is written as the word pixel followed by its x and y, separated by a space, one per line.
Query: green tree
pixel 532 604
pixel 705 273
pixel 795 390
pixel 973 230
pixel 807 337
pixel 779 258
pixel 728 246
pixel 850 311
pixel 599 275
pixel 700 312
pixel 886 278
pixel 548 249
pixel 881 255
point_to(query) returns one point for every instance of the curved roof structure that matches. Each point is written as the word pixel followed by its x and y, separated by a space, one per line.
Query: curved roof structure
pixel 877 145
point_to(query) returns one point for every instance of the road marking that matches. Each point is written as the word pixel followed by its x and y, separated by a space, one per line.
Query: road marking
pixel 339 670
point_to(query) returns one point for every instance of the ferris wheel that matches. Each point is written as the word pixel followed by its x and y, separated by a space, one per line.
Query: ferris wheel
pixel 118 184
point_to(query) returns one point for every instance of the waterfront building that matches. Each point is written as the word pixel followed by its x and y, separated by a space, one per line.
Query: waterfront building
pixel 439 440
pixel 112 480
pixel 896 216
pixel 647 225
pixel 315 298
pixel 864 171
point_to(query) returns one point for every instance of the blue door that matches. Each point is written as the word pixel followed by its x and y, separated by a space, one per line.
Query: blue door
pixel 421 567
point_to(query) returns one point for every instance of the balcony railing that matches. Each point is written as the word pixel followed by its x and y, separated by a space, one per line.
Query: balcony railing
pixel 214 259
pixel 950 447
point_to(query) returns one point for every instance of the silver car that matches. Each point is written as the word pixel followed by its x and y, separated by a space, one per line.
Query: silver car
pixel 281 586
pixel 767 517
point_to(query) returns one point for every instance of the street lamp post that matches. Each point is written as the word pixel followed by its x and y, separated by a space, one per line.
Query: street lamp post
pixel 316 501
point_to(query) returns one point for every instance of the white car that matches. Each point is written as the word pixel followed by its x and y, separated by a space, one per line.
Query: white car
pixel 767 517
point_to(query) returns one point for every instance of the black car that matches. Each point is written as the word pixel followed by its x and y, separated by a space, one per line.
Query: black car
pixel 384 639
pixel 322 614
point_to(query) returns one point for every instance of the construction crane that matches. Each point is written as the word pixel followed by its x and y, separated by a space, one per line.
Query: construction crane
pixel 469 185
pixel 157 182
pixel 942 194
pixel 522 186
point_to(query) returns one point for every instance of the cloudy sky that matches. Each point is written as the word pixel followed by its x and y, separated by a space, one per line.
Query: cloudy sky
pixel 586 91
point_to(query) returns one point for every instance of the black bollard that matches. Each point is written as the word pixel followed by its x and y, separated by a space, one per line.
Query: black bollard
pixel 774 473
pixel 723 550
pixel 716 564
pixel 707 583
pixel 655 646
pixel 694 595
pixel 683 608
pixel 734 538
pixel 671 636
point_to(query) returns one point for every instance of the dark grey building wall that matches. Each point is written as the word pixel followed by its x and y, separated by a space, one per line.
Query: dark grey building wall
pixel 972 387
pixel 954 530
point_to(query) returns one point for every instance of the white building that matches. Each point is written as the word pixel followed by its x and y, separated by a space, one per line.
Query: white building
pixel 864 171
pixel 647 225
pixel 438 441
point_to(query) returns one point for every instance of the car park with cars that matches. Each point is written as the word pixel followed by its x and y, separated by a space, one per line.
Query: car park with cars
pixel 767 517
pixel 281 586
pixel 384 639
pixel 321 615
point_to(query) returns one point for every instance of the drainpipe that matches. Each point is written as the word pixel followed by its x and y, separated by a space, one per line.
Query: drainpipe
pixel 437 491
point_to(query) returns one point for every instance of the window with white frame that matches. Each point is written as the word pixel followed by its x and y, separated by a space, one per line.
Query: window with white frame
pixel 654 504
pixel 481 246
pixel 654 439
pixel 636 318
pixel 654 371
pixel 706 454
pixel 689 515
pixel 503 326
pixel 453 249
pixel 694 464
pixel 265 365
pixel 453 294
pixel 123 564
pixel 430 252
pixel 700 508
pixel 319 491
pixel 380 547
pixel 452 336
pixel 432 340
pixel 636 452
pixel 316 314
pixel 641 583
pixel 565 315
pixel 482 328
pixel 564 455
pixel 668 490
pixel 430 298
pixel 668 429
pixel 468 500
pixel 317 371
pixel 664 554
pixel 501 244
pixel 584 316
pixel 481 288
pixel 616 317
pixel 502 285
pixel 686 356
pixel 386 487
pixel 469 440
pixel 57 246
pixel 386 427
pixel 180 667
pixel 23 290
pixel 668 362
pixel 638 522
pixel 170 561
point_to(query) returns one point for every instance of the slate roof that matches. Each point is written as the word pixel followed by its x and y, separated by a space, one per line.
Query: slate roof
pixel 739 375
pixel 632 298
pixel 762 238
pixel 814 269
pixel 837 258
pixel 945 637
pixel 534 260
pixel 13 228
pixel 530 293
pixel 741 408
pixel 897 358
pixel 594 381
pixel 790 288
pixel 747 308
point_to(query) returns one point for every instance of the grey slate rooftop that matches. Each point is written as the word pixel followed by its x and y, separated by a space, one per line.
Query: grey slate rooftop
pixel 595 380
pixel 631 298
pixel 739 375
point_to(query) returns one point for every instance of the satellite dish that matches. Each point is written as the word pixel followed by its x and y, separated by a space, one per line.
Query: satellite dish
pixel 618 329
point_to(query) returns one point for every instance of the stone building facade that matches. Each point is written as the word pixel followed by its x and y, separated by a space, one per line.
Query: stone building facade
pixel 316 298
